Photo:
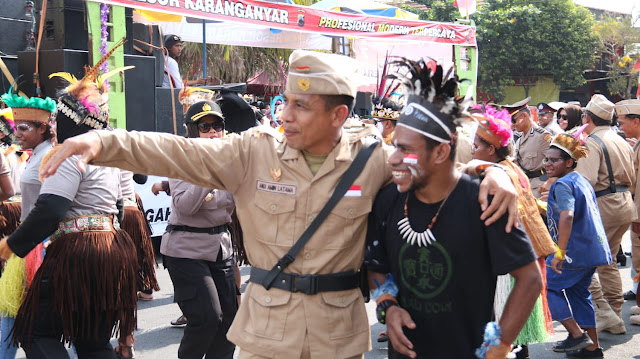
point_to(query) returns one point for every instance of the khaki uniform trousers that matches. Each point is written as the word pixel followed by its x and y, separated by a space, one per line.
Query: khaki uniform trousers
pixel 306 353
pixel 609 287
pixel 635 251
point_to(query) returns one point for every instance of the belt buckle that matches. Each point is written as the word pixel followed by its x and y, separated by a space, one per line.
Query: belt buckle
pixel 307 284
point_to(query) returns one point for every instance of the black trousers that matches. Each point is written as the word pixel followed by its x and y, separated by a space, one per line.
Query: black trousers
pixel 45 339
pixel 206 293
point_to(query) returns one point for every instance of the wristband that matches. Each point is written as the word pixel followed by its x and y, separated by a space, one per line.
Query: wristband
pixel 491 337
pixel 381 309
pixel 560 253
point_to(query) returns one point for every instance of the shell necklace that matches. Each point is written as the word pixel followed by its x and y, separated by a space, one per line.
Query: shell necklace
pixel 423 238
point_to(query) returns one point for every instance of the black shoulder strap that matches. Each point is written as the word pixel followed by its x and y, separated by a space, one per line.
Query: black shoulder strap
pixel 607 160
pixel 347 179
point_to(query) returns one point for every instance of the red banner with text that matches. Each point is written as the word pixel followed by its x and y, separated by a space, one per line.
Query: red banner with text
pixel 305 19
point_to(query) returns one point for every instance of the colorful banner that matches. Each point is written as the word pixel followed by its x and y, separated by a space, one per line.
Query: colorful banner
pixel 305 19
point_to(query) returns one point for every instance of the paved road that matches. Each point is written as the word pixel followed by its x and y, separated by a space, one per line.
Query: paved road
pixel 156 339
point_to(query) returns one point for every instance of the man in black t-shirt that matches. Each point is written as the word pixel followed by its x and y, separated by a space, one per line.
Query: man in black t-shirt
pixel 426 231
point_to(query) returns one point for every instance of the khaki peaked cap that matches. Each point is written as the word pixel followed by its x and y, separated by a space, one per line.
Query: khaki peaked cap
pixel 318 73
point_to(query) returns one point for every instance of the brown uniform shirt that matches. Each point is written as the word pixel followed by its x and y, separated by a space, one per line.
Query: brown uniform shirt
pixel 277 197
pixel 532 147
pixel 615 208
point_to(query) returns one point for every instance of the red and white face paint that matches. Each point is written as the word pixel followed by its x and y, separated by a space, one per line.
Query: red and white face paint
pixel 410 159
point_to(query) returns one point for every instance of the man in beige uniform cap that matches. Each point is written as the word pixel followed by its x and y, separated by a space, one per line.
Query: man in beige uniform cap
pixel 629 118
pixel 611 182
pixel 280 183
pixel 531 148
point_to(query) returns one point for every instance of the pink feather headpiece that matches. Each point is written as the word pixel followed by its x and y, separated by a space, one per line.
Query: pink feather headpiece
pixel 493 126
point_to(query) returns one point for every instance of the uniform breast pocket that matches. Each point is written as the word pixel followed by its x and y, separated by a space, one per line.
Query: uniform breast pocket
pixel 276 219
pixel 347 221
pixel 267 312
pixel 346 313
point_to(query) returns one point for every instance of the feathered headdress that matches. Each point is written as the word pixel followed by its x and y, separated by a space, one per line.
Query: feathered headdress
pixel 383 107
pixel 493 125
pixel 190 95
pixel 7 126
pixel 432 108
pixel 572 143
pixel 84 101
pixel 32 109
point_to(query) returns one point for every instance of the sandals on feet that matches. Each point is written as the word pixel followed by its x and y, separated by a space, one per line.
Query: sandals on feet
pixel 145 296
pixel 180 322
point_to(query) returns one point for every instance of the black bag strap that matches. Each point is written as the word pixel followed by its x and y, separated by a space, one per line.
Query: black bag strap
pixel 607 160
pixel 349 176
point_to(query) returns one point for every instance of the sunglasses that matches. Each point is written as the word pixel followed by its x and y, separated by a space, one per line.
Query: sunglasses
pixel 205 127
pixel 551 160
pixel 563 117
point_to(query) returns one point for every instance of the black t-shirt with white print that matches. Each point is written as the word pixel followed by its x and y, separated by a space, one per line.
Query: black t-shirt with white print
pixel 448 286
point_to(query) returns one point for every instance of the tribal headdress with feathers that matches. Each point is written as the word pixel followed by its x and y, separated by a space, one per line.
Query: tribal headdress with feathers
pixel 383 107
pixel 494 126
pixel 432 108
pixel 32 109
pixel 572 143
pixel 84 101
pixel 7 126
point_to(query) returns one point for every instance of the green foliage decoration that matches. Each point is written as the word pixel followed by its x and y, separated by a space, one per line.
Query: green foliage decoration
pixel 531 38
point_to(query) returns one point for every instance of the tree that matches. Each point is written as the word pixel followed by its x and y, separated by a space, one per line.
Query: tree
pixel 618 41
pixel 437 10
pixel 530 38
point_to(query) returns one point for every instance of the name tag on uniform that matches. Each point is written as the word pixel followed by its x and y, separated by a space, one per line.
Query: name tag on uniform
pixel 275 187
pixel 354 191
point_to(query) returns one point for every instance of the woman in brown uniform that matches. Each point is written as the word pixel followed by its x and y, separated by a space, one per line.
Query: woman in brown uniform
pixel 198 252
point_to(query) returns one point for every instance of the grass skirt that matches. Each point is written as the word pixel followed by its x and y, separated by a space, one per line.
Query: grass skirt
pixel 535 330
pixel 135 224
pixel 92 274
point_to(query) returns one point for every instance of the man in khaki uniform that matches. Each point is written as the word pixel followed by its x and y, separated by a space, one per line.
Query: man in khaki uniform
pixel 629 118
pixel 614 201
pixel 531 148
pixel 280 182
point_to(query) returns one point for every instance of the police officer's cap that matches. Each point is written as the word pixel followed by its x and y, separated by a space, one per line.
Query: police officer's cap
pixel 545 108
pixel 517 107
pixel 201 109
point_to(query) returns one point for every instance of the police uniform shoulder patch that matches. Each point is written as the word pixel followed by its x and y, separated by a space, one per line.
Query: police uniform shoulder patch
pixel 547 137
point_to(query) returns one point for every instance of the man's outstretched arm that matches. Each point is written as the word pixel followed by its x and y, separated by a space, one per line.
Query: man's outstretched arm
pixel 206 163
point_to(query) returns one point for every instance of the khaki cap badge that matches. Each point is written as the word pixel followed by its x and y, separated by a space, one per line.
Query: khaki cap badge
pixel 304 84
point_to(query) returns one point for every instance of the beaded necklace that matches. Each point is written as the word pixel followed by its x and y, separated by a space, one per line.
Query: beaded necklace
pixel 426 237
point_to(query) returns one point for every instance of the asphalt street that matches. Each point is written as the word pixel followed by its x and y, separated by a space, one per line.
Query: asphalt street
pixel 156 339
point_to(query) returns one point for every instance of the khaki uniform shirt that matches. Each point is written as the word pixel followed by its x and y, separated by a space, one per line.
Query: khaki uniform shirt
pixel 277 197
pixel 532 147
pixel 530 150
pixel 198 207
pixel 615 208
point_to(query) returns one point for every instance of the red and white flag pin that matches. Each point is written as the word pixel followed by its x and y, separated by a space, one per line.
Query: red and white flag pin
pixel 354 191
pixel 410 159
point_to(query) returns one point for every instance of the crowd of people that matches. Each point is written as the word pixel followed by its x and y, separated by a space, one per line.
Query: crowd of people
pixel 327 209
